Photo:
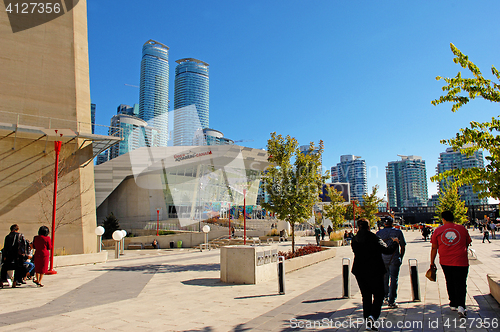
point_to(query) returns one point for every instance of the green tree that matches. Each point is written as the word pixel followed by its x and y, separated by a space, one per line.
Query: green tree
pixel 336 210
pixel 293 181
pixel 370 206
pixel 110 225
pixel 449 200
pixel 480 136
pixel 349 209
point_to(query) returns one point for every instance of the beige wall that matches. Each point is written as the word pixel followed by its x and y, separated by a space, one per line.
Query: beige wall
pixel 45 73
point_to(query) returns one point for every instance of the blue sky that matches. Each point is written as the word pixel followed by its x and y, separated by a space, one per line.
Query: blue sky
pixel 360 75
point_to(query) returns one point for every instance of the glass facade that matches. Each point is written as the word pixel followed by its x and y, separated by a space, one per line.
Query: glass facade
pixel 191 89
pixel 452 159
pixel 209 136
pixel 136 134
pixel 407 182
pixel 153 95
pixel 352 170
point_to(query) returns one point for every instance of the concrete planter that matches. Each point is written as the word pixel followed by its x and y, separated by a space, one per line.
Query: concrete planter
pixel 335 243
pixel 303 261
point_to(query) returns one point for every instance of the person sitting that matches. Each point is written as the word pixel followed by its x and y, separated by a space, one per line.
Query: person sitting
pixel 155 244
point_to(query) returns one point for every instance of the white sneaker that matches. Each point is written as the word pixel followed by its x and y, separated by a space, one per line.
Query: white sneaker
pixel 453 308
pixel 9 281
pixel 370 324
pixel 462 313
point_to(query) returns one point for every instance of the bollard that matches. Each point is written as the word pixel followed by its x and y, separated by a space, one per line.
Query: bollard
pixel 346 280
pixel 117 249
pixel 281 274
pixel 415 286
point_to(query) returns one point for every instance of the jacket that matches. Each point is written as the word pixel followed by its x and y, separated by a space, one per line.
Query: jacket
pixel 368 249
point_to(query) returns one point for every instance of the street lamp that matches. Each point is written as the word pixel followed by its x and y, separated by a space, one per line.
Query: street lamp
pixel 117 236
pixel 99 231
pixel 58 133
pixel 244 217
pixel 206 229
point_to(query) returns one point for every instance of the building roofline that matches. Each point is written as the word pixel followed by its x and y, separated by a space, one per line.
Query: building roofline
pixel 154 42
pixel 193 60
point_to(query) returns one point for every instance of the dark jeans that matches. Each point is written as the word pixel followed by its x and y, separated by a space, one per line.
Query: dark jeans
pixel 456 284
pixel 391 282
pixel 486 236
pixel 372 292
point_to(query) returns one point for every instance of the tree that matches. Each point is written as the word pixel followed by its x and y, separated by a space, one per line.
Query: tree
pixel 293 181
pixel 449 200
pixel 336 210
pixel 370 206
pixel 110 225
pixel 349 212
pixel 480 136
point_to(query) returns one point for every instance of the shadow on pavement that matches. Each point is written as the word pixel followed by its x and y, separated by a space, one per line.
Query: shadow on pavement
pixel 164 268
pixel 208 282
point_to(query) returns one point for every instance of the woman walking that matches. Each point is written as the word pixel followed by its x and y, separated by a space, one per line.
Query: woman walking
pixel 42 246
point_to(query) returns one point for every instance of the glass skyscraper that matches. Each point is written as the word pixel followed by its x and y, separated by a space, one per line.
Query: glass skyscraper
pixel 352 170
pixel 452 159
pixel 191 88
pixel 407 182
pixel 153 95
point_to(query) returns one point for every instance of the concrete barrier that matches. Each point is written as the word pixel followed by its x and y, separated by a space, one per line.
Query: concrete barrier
pixel 82 259
pixel 494 282
pixel 248 264
pixel 303 261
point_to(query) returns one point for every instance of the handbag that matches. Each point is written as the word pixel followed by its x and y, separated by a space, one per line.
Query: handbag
pixel 431 274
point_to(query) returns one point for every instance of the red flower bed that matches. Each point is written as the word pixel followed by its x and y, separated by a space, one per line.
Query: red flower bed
pixel 306 250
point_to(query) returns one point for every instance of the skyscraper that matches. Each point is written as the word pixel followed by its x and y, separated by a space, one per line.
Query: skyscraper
pixel 92 117
pixel 191 88
pixel 135 132
pixel 153 95
pixel 452 159
pixel 352 170
pixel 407 182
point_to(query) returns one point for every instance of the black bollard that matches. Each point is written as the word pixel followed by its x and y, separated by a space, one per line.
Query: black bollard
pixel 415 286
pixel 346 280
pixel 281 274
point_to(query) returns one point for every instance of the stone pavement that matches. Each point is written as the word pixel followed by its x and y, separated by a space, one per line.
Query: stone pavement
pixel 180 290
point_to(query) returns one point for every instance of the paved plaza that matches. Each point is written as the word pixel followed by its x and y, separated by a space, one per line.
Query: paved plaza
pixel 180 290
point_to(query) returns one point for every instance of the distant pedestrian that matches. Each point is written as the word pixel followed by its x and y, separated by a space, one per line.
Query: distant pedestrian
pixel 451 241
pixel 369 269
pixel 232 231
pixel 392 262
pixel 493 229
pixel 323 232
pixel 13 255
pixel 486 235
pixel 425 232
pixel 42 245
pixel 329 230
pixel 317 234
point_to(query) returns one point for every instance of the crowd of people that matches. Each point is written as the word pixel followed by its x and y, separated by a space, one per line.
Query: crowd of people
pixel 23 260
pixel 378 257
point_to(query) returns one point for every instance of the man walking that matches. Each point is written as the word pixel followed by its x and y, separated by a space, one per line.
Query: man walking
pixel 392 262
pixel 451 241
pixel 13 255
pixel 369 270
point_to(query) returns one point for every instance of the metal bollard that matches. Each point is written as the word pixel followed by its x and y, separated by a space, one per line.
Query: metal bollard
pixel 122 246
pixel 281 274
pixel 415 285
pixel 117 249
pixel 346 280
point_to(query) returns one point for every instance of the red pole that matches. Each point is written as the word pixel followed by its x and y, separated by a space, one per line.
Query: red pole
pixel 57 149
pixel 354 214
pixel 244 216
pixel 230 233
pixel 157 221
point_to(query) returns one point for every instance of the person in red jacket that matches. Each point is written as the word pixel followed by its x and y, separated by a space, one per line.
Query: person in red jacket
pixel 42 246
pixel 451 241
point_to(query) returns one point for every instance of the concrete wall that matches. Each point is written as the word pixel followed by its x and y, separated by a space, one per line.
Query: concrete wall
pixel 45 73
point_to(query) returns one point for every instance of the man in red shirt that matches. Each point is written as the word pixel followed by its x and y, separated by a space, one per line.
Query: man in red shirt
pixel 452 240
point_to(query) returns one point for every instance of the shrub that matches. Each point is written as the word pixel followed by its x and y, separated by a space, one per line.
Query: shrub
pixel 273 232
pixel 335 236
pixel 306 250
pixel 165 232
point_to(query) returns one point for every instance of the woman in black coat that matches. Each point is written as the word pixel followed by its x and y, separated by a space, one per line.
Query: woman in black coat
pixel 369 269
